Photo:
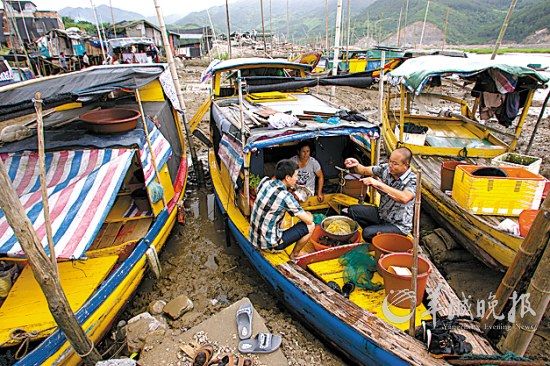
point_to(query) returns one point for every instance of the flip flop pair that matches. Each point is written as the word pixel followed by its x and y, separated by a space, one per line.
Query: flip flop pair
pixel 229 360
pixel 346 290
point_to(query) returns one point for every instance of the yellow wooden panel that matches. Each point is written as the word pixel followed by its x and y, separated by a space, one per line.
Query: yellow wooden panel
pixel 152 92
pixel 372 301
pixel 26 307
pixel 67 106
pixel 133 230
pixel 168 187
pixel 273 96
pixel 121 205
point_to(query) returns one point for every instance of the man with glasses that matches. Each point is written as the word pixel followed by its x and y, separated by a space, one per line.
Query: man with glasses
pixel 396 184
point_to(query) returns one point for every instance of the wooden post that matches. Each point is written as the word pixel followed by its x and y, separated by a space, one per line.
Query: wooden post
pixel 173 72
pixel 537 124
pixel 43 271
pixel 263 25
pixel 522 120
pixel 402 114
pixel 503 28
pixel 150 144
pixel 518 338
pixel 416 239
pixel 42 173
pixel 228 27
pixel 532 245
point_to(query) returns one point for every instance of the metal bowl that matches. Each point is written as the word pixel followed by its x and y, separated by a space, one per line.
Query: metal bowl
pixel 352 223
pixel 111 120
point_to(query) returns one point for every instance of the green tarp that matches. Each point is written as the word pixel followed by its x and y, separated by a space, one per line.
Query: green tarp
pixel 415 73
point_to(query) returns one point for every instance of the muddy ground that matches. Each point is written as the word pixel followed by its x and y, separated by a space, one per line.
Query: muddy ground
pixel 197 262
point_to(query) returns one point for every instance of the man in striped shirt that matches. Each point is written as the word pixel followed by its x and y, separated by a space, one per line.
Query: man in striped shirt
pixel 273 200
pixel 396 183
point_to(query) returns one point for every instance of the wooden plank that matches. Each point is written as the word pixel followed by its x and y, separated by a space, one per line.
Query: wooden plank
pixel 107 235
pixel 26 307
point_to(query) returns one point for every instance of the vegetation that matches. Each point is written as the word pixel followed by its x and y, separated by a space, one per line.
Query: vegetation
pixel 86 26
pixel 469 21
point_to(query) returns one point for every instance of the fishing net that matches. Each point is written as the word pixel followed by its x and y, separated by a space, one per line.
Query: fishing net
pixel 359 267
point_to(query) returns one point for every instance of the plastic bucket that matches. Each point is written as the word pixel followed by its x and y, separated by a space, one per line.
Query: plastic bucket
pixel 318 232
pixel 397 286
pixel 386 243
pixel 526 218
pixel 448 168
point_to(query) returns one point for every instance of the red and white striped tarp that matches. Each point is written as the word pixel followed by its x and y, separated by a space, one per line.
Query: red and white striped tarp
pixel 82 187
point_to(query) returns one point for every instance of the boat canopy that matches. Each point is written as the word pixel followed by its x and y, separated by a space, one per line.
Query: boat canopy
pixel 82 185
pixel 416 73
pixel 256 61
pixel 65 88
pixel 259 84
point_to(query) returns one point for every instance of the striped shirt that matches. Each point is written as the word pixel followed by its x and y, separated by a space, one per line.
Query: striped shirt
pixel 393 212
pixel 272 202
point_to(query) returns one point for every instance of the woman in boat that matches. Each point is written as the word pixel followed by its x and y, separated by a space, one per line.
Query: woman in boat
pixel 308 169
pixel 272 202
pixel 396 183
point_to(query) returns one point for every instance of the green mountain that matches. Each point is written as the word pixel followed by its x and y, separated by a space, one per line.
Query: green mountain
pixel 469 21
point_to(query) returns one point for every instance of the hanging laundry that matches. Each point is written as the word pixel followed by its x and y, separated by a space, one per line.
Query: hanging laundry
pixel 509 110
pixel 504 82
pixel 489 104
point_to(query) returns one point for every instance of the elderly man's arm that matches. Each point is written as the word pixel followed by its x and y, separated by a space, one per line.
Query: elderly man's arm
pixel 397 195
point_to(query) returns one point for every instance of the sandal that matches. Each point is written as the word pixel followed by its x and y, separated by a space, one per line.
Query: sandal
pixel 203 355
pixel 333 285
pixel 244 321
pixel 229 360
pixel 262 343
pixel 347 289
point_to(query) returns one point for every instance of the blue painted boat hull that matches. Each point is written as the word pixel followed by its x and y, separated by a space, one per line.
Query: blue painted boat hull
pixel 355 346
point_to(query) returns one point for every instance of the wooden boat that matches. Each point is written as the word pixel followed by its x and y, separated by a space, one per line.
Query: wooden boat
pixel 113 199
pixel 456 135
pixel 243 147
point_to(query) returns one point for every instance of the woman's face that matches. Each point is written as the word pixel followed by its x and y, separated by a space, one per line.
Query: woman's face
pixel 304 152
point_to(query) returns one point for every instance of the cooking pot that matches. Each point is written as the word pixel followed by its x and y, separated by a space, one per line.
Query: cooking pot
pixel 346 237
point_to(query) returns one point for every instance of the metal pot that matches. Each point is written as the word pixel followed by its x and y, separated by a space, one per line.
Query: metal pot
pixel 344 238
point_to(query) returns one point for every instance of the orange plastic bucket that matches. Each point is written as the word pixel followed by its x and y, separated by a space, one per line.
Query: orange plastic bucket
pixel 448 168
pixel 386 243
pixel 526 218
pixel 397 286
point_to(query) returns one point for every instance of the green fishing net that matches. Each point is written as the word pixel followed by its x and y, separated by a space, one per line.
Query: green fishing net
pixel 318 218
pixel 359 267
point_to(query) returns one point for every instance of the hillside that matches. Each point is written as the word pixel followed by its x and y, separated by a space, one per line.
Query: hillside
pixel 469 21
pixel 104 15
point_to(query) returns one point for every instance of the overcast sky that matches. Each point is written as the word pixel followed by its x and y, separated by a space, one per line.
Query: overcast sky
pixel 144 7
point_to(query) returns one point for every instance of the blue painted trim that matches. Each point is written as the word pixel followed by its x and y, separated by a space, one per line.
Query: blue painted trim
pixel 356 346
pixel 54 342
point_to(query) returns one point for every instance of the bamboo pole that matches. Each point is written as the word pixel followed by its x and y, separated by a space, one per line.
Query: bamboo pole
pixel 406 15
pixel 446 26
pixel 348 34
pixel 424 24
pixel 402 114
pixel 287 21
pixel 246 168
pixel 112 17
pixel 98 30
pixel 10 35
pixel 336 43
pixel 149 143
pixel 528 252
pixel 263 25
pixel 519 337
pixel 228 28
pixel 399 27
pixel 326 26
pixel 270 30
pixel 416 239
pixel 18 35
pixel 43 271
pixel 503 28
pixel 42 174
pixel 381 97
pixel 172 65
pixel 537 123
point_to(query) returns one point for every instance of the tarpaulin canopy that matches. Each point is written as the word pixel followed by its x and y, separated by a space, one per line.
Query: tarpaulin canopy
pixel 415 73
pixel 68 87
pixel 82 186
